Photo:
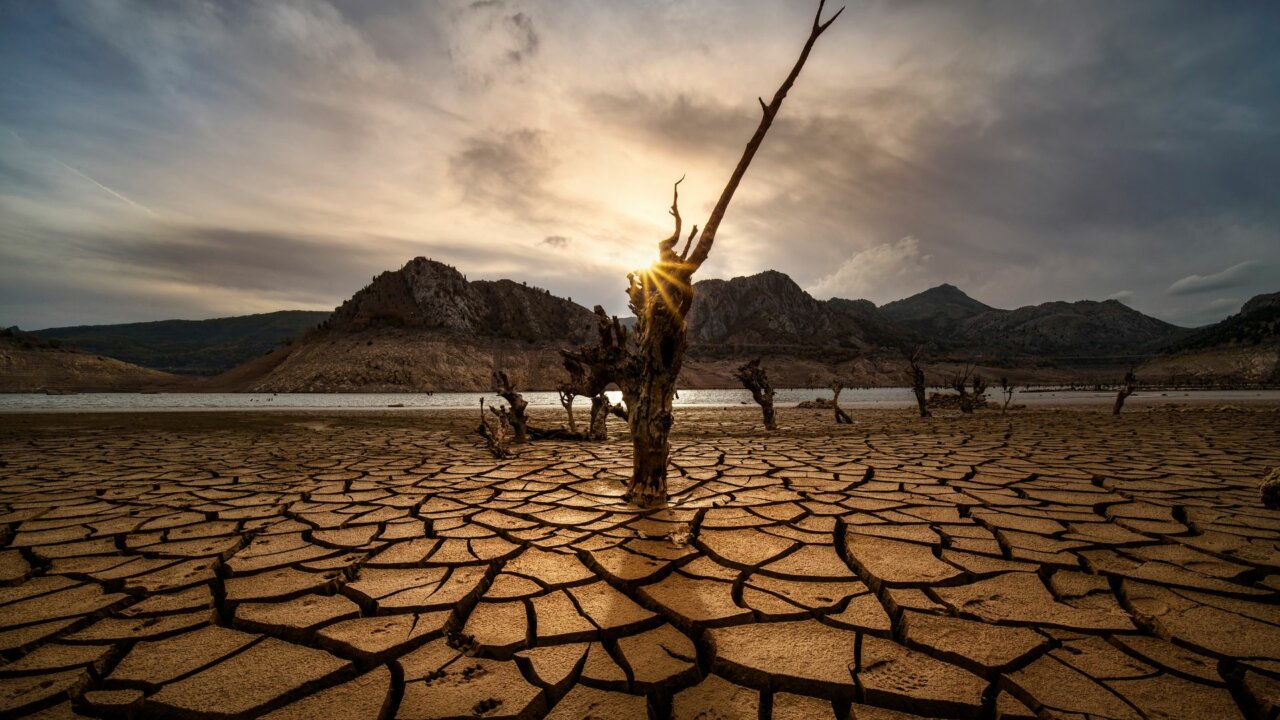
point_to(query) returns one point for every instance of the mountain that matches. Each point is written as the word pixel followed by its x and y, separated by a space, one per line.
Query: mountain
pixel 1242 348
pixel 190 347
pixel 29 363
pixel 429 295
pixel 1068 332
pixel 1257 322
pixel 936 312
pixel 426 327
pixel 769 312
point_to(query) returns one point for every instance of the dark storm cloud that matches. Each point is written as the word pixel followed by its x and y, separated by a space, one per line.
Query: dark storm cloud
pixel 257 154
pixel 1149 136
pixel 306 268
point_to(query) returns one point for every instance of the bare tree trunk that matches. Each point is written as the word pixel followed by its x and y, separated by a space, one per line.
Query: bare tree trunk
pixel 661 353
pixel 754 378
pixel 566 400
pixel 960 383
pixel 599 413
pixel 507 391
pixel 917 381
pixel 842 418
pixel 1126 389
pixel 661 297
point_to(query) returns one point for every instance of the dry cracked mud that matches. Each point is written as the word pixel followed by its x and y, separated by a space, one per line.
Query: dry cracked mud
pixel 1050 563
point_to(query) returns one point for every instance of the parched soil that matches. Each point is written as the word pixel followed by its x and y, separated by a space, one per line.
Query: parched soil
pixel 294 565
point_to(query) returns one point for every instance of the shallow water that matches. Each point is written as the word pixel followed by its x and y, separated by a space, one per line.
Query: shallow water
pixel 853 398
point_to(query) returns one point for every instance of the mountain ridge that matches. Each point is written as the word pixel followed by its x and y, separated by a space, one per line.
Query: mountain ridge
pixel 425 326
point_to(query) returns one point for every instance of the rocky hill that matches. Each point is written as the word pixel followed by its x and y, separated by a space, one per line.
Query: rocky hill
pixel 1062 332
pixel 429 295
pixel 935 313
pixel 29 363
pixel 1242 348
pixel 426 327
pixel 770 313
pixel 191 347
pixel 1257 323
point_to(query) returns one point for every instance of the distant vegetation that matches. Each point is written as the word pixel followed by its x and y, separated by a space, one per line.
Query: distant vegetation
pixel 190 347
pixel 28 341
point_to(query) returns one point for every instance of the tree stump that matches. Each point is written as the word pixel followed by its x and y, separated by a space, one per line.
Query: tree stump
pixel 1127 386
pixel 917 380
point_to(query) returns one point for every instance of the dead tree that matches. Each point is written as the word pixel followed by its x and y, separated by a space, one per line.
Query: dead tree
pixel 660 297
pixel 1127 387
pixel 979 391
pixel 592 368
pixel 496 431
pixel 754 378
pixel 566 400
pixel 960 383
pixel 507 391
pixel 1007 390
pixel 917 380
pixel 842 417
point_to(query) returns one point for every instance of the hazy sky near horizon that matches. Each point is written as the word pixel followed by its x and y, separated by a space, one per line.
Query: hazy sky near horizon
pixel 201 159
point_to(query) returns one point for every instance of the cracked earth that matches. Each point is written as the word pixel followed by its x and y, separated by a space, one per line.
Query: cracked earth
pixel 1051 563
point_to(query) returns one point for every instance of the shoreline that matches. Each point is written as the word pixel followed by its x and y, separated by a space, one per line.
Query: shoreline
pixel 1022 401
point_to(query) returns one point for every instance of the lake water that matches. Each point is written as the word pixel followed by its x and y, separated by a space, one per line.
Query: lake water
pixel 852 398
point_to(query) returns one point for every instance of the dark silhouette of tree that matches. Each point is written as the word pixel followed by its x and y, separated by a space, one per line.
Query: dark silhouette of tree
pixel 755 379
pixel 1127 386
pixel 1007 390
pixel 960 383
pixel 917 379
pixel 842 417
pixel 645 366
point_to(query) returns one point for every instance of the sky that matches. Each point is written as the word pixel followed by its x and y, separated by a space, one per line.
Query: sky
pixel 194 159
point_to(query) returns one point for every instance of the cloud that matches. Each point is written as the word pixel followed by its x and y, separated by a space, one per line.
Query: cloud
pixel 1041 151
pixel 1124 296
pixel 880 272
pixel 504 171
pixel 490 40
pixel 1234 276
pixel 558 242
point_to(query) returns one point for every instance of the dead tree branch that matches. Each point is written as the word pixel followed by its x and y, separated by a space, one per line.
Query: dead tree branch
pixel 495 431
